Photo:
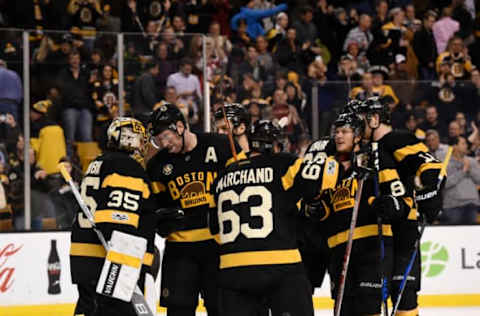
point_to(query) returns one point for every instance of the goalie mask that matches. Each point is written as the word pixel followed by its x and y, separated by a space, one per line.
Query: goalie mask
pixel 126 134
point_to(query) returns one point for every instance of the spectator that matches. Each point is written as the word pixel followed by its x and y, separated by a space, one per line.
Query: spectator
pixel 381 15
pixel 95 65
pixel 252 65
pixel 295 97
pixel 265 5
pixel 448 95
pixel 172 98
pixel 425 48
pixel 395 32
pixel 187 87
pixel 444 29
pixel 47 138
pixel 221 43
pixel 264 56
pixel 144 95
pixel 290 55
pixel 361 34
pixel 462 123
pixel 432 121
pixel 76 114
pixel 178 23
pixel 252 18
pixel 306 29
pixel 364 91
pixel 410 16
pixel 109 22
pixel 454 130
pixel 278 33
pixel 222 16
pixel 11 91
pixel 167 66
pixel 412 126
pixel 461 14
pixel 435 147
pixel 379 74
pixel 150 39
pixel 84 17
pixel 456 55
pixel 472 95
pixel 460 196
pixel 176 46
pixel 359 58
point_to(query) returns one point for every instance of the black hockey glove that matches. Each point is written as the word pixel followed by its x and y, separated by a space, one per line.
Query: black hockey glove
pixel 317 209
pixel 388 208
pixel 429 201
pixel 169 220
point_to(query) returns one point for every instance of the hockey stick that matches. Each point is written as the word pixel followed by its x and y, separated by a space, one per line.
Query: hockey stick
pixel 138 300
pixel 225 119
pixel 348 249
pixel 381 242
pixel 417 242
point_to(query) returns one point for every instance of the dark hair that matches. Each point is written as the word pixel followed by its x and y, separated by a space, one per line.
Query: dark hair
pixel 452 141
pixel 186 61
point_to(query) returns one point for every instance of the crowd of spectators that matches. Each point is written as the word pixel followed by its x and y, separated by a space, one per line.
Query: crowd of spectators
pixel 278 58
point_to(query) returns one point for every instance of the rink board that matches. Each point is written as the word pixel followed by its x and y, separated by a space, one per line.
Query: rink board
pixel 450 277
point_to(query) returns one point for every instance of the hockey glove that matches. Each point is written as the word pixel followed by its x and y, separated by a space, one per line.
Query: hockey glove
pixel 429 201
pixel 316 210
pixel 169 220
pixel 388 208
pixel 122 266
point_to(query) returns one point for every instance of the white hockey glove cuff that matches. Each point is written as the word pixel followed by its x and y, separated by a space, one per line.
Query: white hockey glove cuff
pixel 122 266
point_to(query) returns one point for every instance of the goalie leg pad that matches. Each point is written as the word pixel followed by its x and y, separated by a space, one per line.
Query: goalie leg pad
pixel 122 266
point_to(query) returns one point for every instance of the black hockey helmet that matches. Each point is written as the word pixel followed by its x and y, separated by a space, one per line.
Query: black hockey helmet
pixel 377 105
pixel 262 135
pixel 355 106
pixel 352 120
pixel 236 113
pixel 165 117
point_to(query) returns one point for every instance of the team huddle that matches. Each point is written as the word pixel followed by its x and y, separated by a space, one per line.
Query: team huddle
pixel 250 228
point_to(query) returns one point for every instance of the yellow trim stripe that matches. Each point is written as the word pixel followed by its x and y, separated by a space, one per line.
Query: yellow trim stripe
pixel 329 180
pixel 443 171
pixel 412 215
pixel 240 156
pixel 254 258
pixel 190 235
pixel 134 184
pixel 116 217
pixel 403 152
pixel 441 300
pixel 97 251
pixel 327 211
pixel 358 233
pixel 427 166
pixel 387 175
pixel 412 312
pixel 289 176
pixel 124 259
pixel 158 187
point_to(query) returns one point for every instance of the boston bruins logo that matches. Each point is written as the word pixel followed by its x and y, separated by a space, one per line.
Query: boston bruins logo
pixel 457 70
pixel 446 95
pixel 342 199
pixel 194 194
pixel 109 99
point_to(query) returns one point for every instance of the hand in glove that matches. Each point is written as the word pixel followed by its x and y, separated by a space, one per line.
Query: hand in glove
pixel 169 220
pixel 429 201
pixel 317 209
pixel 388 207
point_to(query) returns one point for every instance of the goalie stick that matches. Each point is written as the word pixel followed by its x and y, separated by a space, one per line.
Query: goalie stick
pixel 138 300
pixel 417 242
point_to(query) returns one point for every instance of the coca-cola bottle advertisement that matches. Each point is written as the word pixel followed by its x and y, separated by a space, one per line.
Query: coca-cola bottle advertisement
pixel 53 269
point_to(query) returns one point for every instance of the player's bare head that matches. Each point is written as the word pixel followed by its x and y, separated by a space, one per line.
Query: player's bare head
pixel 237 116
pixel 348 132
pixel 166 127
pixel 263 137
pixel 126 134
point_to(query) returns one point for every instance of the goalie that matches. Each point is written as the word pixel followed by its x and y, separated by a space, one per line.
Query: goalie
pixel 117 192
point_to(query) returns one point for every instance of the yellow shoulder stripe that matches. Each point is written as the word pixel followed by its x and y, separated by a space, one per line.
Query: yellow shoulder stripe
pixel 135 184
pixel 240 156
pixel 330 174
pixel 158 187
pixel 116 217
pixel 289 176
pixel 403 152
pixel 124 259
pixel 387 175
pixel 429 165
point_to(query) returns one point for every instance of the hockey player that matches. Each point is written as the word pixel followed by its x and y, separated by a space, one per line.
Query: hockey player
pixel 419 171
pixel 118 193
pixel 362 294
pixel 255 211
pixel 182 175
pixel 239 121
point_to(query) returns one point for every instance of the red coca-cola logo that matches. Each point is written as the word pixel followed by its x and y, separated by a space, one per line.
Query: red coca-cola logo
pixel 6 272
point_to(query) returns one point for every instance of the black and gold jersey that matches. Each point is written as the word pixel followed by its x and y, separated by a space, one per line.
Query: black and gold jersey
pixel 338 197
pixel 118 193
pixel 412 159
pixel 185 181
pixel 256 207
